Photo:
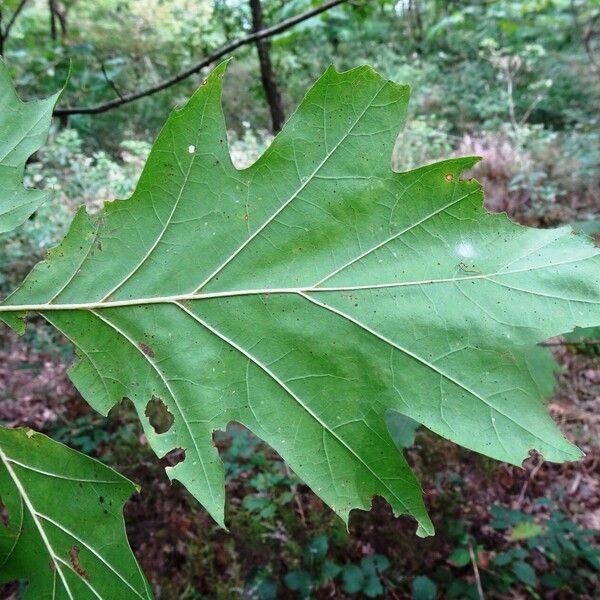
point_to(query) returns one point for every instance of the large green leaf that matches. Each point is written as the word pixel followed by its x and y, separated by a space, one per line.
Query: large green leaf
pixel 63 528
pixel 23 129
pixel 310 294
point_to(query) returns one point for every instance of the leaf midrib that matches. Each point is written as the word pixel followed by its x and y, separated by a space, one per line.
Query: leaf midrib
pixel 50 307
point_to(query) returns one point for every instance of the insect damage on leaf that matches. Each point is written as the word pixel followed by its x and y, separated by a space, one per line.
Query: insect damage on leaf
pixel 76 564
pixel 159 415
pixel 312 294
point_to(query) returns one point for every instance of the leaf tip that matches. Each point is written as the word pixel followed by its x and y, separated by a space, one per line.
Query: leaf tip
pixel 425 529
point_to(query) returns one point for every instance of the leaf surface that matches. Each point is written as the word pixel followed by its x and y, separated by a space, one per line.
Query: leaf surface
pixel 63 527
pixel 23 129
pixel 312 294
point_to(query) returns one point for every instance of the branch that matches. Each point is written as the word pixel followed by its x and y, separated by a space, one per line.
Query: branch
pixel 13 18
pixel 587 36
pixel 476 571
pixel 109 81
pixel 587 44
pixel 211 58
pixel 580 342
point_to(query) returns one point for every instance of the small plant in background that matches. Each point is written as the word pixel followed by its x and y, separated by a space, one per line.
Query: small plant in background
pixel 75 174
pixel 269 486
pixel 423 140
pixel 317 572
pixel 98 436
pixel 539 555
pixel 584 341
pixel 86 433
pixel 562 551
pixel 248 146
pixel 423 588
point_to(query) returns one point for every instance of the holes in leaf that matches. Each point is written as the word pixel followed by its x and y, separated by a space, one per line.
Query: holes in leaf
pixel 173 457
pixel 159 416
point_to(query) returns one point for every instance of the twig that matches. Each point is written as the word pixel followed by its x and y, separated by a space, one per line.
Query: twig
pixel 530 108
pixel 476 572
pixel 294 488
pixel 110 82
pixel 532 474
pixel 12 19
pixel 195 68
pixel 581 342
pixel 587 36
pixel 575 485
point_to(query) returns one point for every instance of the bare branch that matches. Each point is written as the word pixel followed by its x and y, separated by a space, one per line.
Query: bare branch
pixel 12 19
pixel 587 35
pixel 109 81
pixel 195 68
pixel 476 572
pixel 581 342
pixel 267 75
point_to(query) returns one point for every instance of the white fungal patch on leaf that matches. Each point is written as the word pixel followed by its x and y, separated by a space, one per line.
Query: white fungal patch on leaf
pixel 466 250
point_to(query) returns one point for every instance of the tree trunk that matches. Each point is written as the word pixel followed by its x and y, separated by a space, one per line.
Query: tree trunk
pixel 1 35
pixel 266 70
pixel 52 19
pixel 416 25
pixel 5 31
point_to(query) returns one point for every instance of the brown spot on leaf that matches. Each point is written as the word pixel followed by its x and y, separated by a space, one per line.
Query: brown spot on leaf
pixel 146 350
pixel 74 556
pixel 4 516
pixel 449 177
